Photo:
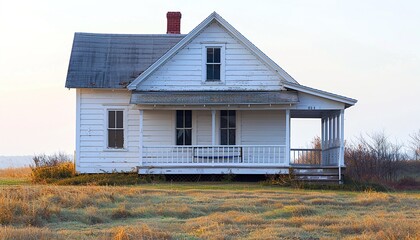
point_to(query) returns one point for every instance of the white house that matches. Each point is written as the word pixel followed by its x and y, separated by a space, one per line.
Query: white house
pixel 208 102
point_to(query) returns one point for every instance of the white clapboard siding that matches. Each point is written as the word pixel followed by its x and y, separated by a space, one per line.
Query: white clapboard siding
pixel 158 127
pixel 93 155
pixel 203 129
pixel 307 101
pixel 263 127
pixel 243 70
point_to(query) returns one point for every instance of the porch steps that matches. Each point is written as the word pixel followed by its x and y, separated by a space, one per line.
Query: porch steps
pixel 316 174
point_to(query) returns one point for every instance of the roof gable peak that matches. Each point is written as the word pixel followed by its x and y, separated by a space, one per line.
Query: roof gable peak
pixel 214 16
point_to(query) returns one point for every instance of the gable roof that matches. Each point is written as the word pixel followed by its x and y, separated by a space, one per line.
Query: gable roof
pixel 114 60
pixel 195 32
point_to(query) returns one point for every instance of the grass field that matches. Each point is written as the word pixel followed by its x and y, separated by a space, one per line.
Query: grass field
pixel 204 211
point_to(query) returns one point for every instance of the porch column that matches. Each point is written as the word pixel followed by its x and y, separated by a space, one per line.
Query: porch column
pixel 323 139
pixel 213 127
pixel 287 137
pixel 141 138
pixel 342 137
pixel 330 132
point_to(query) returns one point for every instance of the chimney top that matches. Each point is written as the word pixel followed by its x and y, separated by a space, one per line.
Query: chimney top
pixel 173 23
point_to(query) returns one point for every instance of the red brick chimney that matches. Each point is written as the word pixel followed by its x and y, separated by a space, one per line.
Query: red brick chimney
pixel 174 23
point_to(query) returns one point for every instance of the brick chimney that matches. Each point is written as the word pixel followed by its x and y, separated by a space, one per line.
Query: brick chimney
pixel 174 23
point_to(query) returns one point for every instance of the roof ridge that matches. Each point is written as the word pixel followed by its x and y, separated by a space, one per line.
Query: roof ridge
pixel 130 34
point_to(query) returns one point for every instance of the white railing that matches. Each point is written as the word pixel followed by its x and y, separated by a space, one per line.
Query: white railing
pixel 325 157
pixel 305 156
pixel 331 155
pixel 215 155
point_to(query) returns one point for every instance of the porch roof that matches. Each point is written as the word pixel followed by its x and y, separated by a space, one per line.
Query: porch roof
pixel 213 98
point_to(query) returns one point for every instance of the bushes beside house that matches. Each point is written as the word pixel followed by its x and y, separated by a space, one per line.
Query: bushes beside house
pixel 50 168
pixel 58 169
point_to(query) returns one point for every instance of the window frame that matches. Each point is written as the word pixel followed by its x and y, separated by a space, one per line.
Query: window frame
pixel 183 128
pixel 222 63
pixel 106 129
pixel 228 128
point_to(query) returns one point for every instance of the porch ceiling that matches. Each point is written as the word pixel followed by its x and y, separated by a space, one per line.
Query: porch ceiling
pixel 213 98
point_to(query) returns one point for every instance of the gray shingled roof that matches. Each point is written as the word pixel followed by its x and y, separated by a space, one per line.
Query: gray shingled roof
pixel 114 60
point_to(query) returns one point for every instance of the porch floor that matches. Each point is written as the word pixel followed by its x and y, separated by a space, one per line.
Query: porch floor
pixel 300 172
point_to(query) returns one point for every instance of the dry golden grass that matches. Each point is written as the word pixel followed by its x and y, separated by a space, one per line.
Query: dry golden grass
pixel 204 211
pixel 22 172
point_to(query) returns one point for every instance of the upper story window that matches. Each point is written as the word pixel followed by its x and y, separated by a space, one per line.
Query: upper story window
pixel 183 127
pixel 213 64
pixel 115 129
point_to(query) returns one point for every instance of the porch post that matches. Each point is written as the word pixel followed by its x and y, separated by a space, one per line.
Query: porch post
pixel 342 137
pixel 213 127
pixel 288 137
pixel 323 139
pixel 141 137
pixel 330 137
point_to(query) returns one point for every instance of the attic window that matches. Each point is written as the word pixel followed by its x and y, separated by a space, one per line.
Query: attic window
pixel 213 63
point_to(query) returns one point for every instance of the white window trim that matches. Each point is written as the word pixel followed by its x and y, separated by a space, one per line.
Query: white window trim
pixel 228 128
pixel 204 63
pixel 125 127
pixel 193 127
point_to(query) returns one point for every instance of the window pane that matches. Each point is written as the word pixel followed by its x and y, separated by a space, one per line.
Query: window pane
pixel 216 72
pixel 116 138
pixel 188 118
pixel 187 136
pixel 216 55
pixel 119 138
pixel 232 119
pixel 111 119
pixel 119 119
pixel 111 138
pixel 179 118
pixel 223 137
pixel 210 55
pixel 180 137
pixel 210 72
pixel 232 135
pixel 223 119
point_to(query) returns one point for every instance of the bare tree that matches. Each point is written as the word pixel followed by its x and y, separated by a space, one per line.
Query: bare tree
pixel 374 158
pixel 415 144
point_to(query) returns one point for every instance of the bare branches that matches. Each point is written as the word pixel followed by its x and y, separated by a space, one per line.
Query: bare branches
pixel 374 158
pixel 415 144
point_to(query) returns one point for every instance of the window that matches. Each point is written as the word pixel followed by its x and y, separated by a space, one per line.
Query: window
pixel 227 127
pixel 115 129
pixel 213 63
pixel 183 127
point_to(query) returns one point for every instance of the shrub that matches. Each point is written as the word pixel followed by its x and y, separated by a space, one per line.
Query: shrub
pixel 55 159
pixel 53 173
pixel 49 168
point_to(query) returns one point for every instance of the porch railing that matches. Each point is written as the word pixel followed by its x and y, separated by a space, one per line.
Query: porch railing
pixel 331 155
pixel 215 155
pixel 326 157
pixel 305 156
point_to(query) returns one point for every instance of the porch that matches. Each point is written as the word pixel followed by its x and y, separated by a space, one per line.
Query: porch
pixel 187 133
pixel 250 159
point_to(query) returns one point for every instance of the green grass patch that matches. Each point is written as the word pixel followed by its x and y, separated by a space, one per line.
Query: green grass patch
pixel 14 181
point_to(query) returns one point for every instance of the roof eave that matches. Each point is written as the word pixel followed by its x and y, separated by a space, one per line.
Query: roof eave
pixel 348 102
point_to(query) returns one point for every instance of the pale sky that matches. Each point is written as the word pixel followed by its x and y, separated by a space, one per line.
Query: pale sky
pixel 365 49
